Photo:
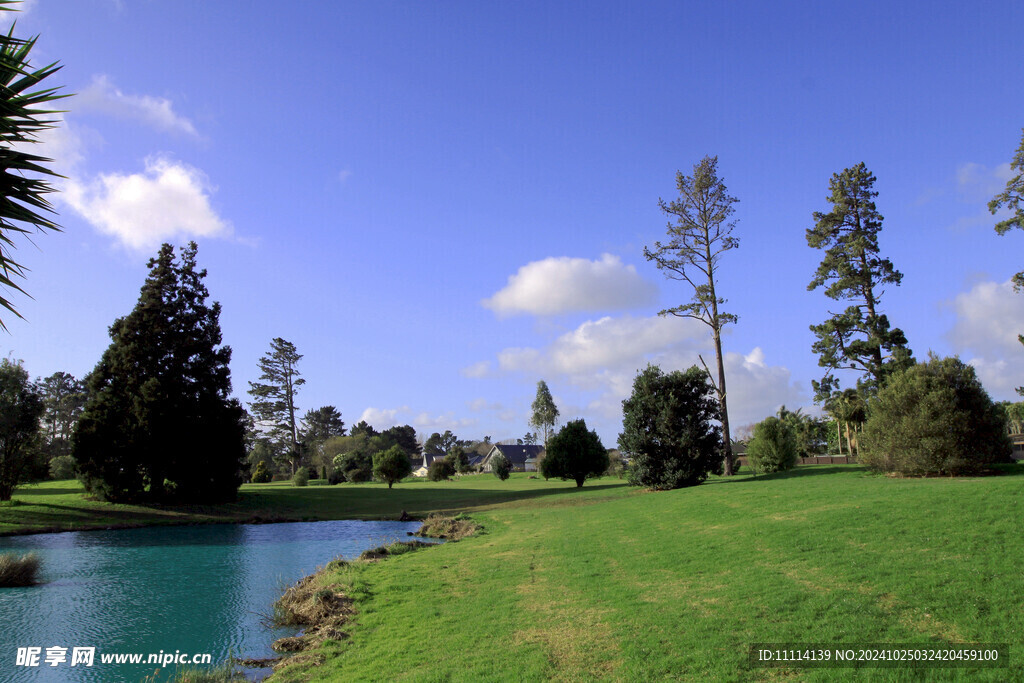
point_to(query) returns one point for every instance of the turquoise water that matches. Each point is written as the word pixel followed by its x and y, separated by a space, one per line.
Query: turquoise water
pixel 194 589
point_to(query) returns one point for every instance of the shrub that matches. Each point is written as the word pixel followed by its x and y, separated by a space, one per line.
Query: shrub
pixel 18 570
pixel 336 476
pixel 669 430
pixel 501 466
pixel 301 477
pixel 440 469
pixel 773 447
pixel 575 453
pixel 391 465
pixel 62 467
pixel 459 460
pixel 261 475
pixel 934 418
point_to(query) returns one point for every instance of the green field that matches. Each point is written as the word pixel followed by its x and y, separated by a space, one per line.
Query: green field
pixel 611 582
pixel 595 584
pixel 62 505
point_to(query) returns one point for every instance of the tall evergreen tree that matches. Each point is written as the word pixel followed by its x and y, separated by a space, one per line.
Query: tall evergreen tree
pixel 159 424
pixel 701 233
pixel 273 403
pixel 544 412
pixel 63 400
pixel 853 270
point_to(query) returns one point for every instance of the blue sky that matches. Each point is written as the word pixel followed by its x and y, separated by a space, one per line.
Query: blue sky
pixel 441 203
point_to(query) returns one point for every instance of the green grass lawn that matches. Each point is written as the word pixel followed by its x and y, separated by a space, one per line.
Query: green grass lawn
pixel 612 584
pixel 62 506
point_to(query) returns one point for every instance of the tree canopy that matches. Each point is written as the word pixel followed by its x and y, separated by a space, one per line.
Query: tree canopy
pixel 544 413
pixel 273 397
pixel 575 453
pixel 164 370
pixel 700 234
pixel 853 269
pixel 391 465
pixel 669 430
pixel 20 409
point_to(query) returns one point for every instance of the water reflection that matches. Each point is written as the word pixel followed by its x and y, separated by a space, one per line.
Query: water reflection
pixel 195 589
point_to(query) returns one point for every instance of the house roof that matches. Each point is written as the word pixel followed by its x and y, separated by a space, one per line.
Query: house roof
pixel 429 458
pixel 517 455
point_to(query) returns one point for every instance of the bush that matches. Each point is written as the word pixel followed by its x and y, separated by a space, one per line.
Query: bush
pixel 459 460
pixel 773 447
pixel 440 470
pixel 934 418
pixel 261 475
pixel 669 430
pixel 501 466
pixel 391 465
pixel 335 477
pixel 18 570
pixel 301 477
pixel 62 467
pixel 575 453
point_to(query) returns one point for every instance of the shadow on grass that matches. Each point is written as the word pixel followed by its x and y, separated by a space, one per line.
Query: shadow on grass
pixel 745 475
pixel 382 502
pixel 33 490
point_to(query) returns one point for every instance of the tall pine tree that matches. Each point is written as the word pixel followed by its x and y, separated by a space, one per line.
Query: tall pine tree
pixel 159 424
pixel 273 398
pixel 853 270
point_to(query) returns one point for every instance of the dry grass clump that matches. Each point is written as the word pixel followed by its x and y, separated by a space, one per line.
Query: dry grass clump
pixel 448 528
pixel 396 548
pixel 18 570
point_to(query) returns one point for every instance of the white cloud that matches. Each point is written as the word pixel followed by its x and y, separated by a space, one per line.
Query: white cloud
pixel 978 183
pixel 380 418
pixel 563 285
pixel 604 357
pixel 476 370
pixel 478 405
pixel 989 319
pixel 158 112
pixel 976 186
pixel 169 200
pixel 608 342
pixel 426 424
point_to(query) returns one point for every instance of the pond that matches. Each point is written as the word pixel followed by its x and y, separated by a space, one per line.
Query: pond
pixel 163 590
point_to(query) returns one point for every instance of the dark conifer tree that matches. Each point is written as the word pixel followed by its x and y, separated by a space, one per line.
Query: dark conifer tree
pixel 159 424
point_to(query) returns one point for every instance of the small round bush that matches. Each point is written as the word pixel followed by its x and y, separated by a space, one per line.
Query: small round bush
pixel 62 467
pixel 440 470
pixel 501 466
pixel 261 475
pixel 773 447
pixel 301 477
pixel 934 418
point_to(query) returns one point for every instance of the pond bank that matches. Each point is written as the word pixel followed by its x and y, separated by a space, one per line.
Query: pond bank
pixel 320 603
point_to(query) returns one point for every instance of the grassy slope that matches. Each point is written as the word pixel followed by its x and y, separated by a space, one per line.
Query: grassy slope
pixel 61 505
pixel 603 583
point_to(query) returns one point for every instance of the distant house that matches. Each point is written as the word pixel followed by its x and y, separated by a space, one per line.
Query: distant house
pixel 428 459
pixel 1018 446
pixel 523 458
